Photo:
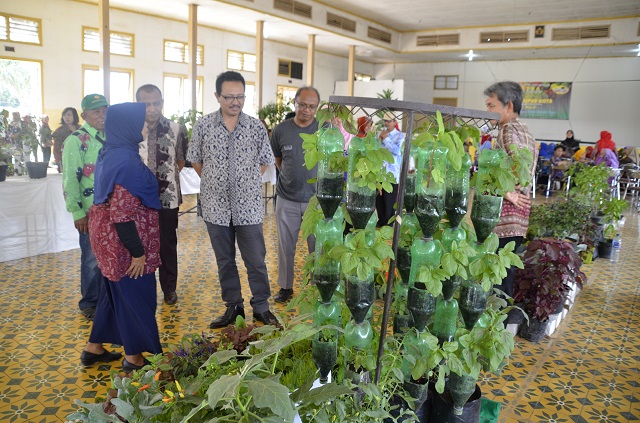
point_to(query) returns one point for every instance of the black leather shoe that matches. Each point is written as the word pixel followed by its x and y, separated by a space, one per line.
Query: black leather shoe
pixel 87 358
pixel 283 295
pixel 171 298
pixel 228 318
pixel 266 318
pixel 130 367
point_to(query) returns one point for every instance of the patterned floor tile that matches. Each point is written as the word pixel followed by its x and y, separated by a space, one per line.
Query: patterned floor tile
pixel 587 371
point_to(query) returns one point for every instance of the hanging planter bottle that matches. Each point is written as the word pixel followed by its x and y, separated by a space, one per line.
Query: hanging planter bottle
pixel 424 252
pixel 461 389
pixel 430 187
pixel 408 231
pixel 485 213
pixel 359 295
pixel 361 201
pixel 329 313
pixel 326 272
pixel 449 235
pixel 445 320
pixel 358 335
pixel 473 303
pixel 456 199
pixel 324 353
pixel 330 186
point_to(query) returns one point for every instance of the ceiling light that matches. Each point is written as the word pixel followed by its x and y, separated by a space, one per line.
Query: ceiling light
pixel 471 55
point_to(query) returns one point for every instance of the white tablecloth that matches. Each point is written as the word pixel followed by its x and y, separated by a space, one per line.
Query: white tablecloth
pixel 33 218
pixel 190 181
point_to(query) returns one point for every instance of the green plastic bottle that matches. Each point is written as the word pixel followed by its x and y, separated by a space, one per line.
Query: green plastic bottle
pixel 445 320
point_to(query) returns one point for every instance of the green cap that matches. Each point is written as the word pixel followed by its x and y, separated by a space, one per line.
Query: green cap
pixel 93 101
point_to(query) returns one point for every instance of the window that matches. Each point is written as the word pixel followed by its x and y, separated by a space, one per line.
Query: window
pixel 445 82
pixel 289 69
pixel 21 86
pixel 237 60
pixel 121 83
pixel 176 90
pixel 120 43
pixel 175 51
pixel 20 29
pixel 286 94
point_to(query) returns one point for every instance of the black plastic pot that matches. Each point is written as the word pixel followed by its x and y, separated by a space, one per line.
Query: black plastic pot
pixel 37 170
pixel 533 331
pixel 442 408
pixel 3 172
pixel 604 248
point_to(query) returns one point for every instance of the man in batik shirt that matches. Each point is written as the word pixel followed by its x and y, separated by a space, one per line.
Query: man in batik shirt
pixel 163 151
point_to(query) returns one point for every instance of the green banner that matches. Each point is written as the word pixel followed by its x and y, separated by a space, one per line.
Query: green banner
pixel 546 100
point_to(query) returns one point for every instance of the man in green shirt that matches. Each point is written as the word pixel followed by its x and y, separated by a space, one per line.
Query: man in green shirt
pixel 79 156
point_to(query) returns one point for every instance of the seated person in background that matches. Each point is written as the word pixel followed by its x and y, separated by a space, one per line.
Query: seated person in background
pixel 586 156
pixel 605 141
pixel 558 163
pixel 627 155
pixel 570 144
pixel 608 157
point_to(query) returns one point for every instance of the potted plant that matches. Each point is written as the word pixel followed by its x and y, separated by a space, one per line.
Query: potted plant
pixel 6 167
pixel 550 266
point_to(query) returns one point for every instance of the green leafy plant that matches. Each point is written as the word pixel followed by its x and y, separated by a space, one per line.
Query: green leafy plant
pixel 274 112
pixel 504 173
pixel 187 120
pixel 358 257
pixel 490 267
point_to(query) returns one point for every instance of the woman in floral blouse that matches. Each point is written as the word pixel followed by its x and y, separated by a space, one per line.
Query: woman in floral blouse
pixel 124 233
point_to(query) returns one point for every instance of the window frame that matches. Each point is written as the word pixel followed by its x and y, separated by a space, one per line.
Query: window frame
pixel 184 77
pixel 126 34
pixel 130 71
pixel 446 80
pixel 185 46
pixel 243 54
pixel 8 16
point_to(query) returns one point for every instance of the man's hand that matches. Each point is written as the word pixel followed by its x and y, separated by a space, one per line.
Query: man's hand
pixel 384 134
pixel 137 267
pixel 82 224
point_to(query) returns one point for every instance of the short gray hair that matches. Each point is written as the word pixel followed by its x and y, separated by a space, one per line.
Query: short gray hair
pixel 506 91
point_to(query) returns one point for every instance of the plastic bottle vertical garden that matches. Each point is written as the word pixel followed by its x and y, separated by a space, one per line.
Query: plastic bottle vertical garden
pixel 330 187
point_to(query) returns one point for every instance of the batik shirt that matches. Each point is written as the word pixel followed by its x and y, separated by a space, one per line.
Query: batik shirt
pixel 514 221
pixel 79 157
pixel 231 180
pixel 165 145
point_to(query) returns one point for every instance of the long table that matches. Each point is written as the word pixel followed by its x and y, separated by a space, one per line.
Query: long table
pixel 33 218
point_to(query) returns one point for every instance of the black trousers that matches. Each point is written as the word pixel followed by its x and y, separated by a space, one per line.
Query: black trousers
pixel 168 250
pixel 507 282
pixel 384 205
pixel 46 154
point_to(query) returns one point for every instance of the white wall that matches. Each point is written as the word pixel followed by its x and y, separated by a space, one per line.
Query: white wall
pixel 62 56
pixel 606 92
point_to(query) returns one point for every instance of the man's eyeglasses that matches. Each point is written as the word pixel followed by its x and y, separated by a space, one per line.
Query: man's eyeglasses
pixel 307 106
pixel 230 98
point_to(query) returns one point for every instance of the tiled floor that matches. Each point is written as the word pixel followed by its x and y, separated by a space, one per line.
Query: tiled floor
pixel 587 372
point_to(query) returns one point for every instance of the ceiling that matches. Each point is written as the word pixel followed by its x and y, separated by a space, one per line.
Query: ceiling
pixel 407 16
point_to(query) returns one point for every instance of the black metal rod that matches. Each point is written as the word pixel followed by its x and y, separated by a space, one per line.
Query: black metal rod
pixel 396 236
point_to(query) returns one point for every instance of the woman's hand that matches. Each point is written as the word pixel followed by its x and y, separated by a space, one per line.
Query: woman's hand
pixel 521 201
pixel 137 267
